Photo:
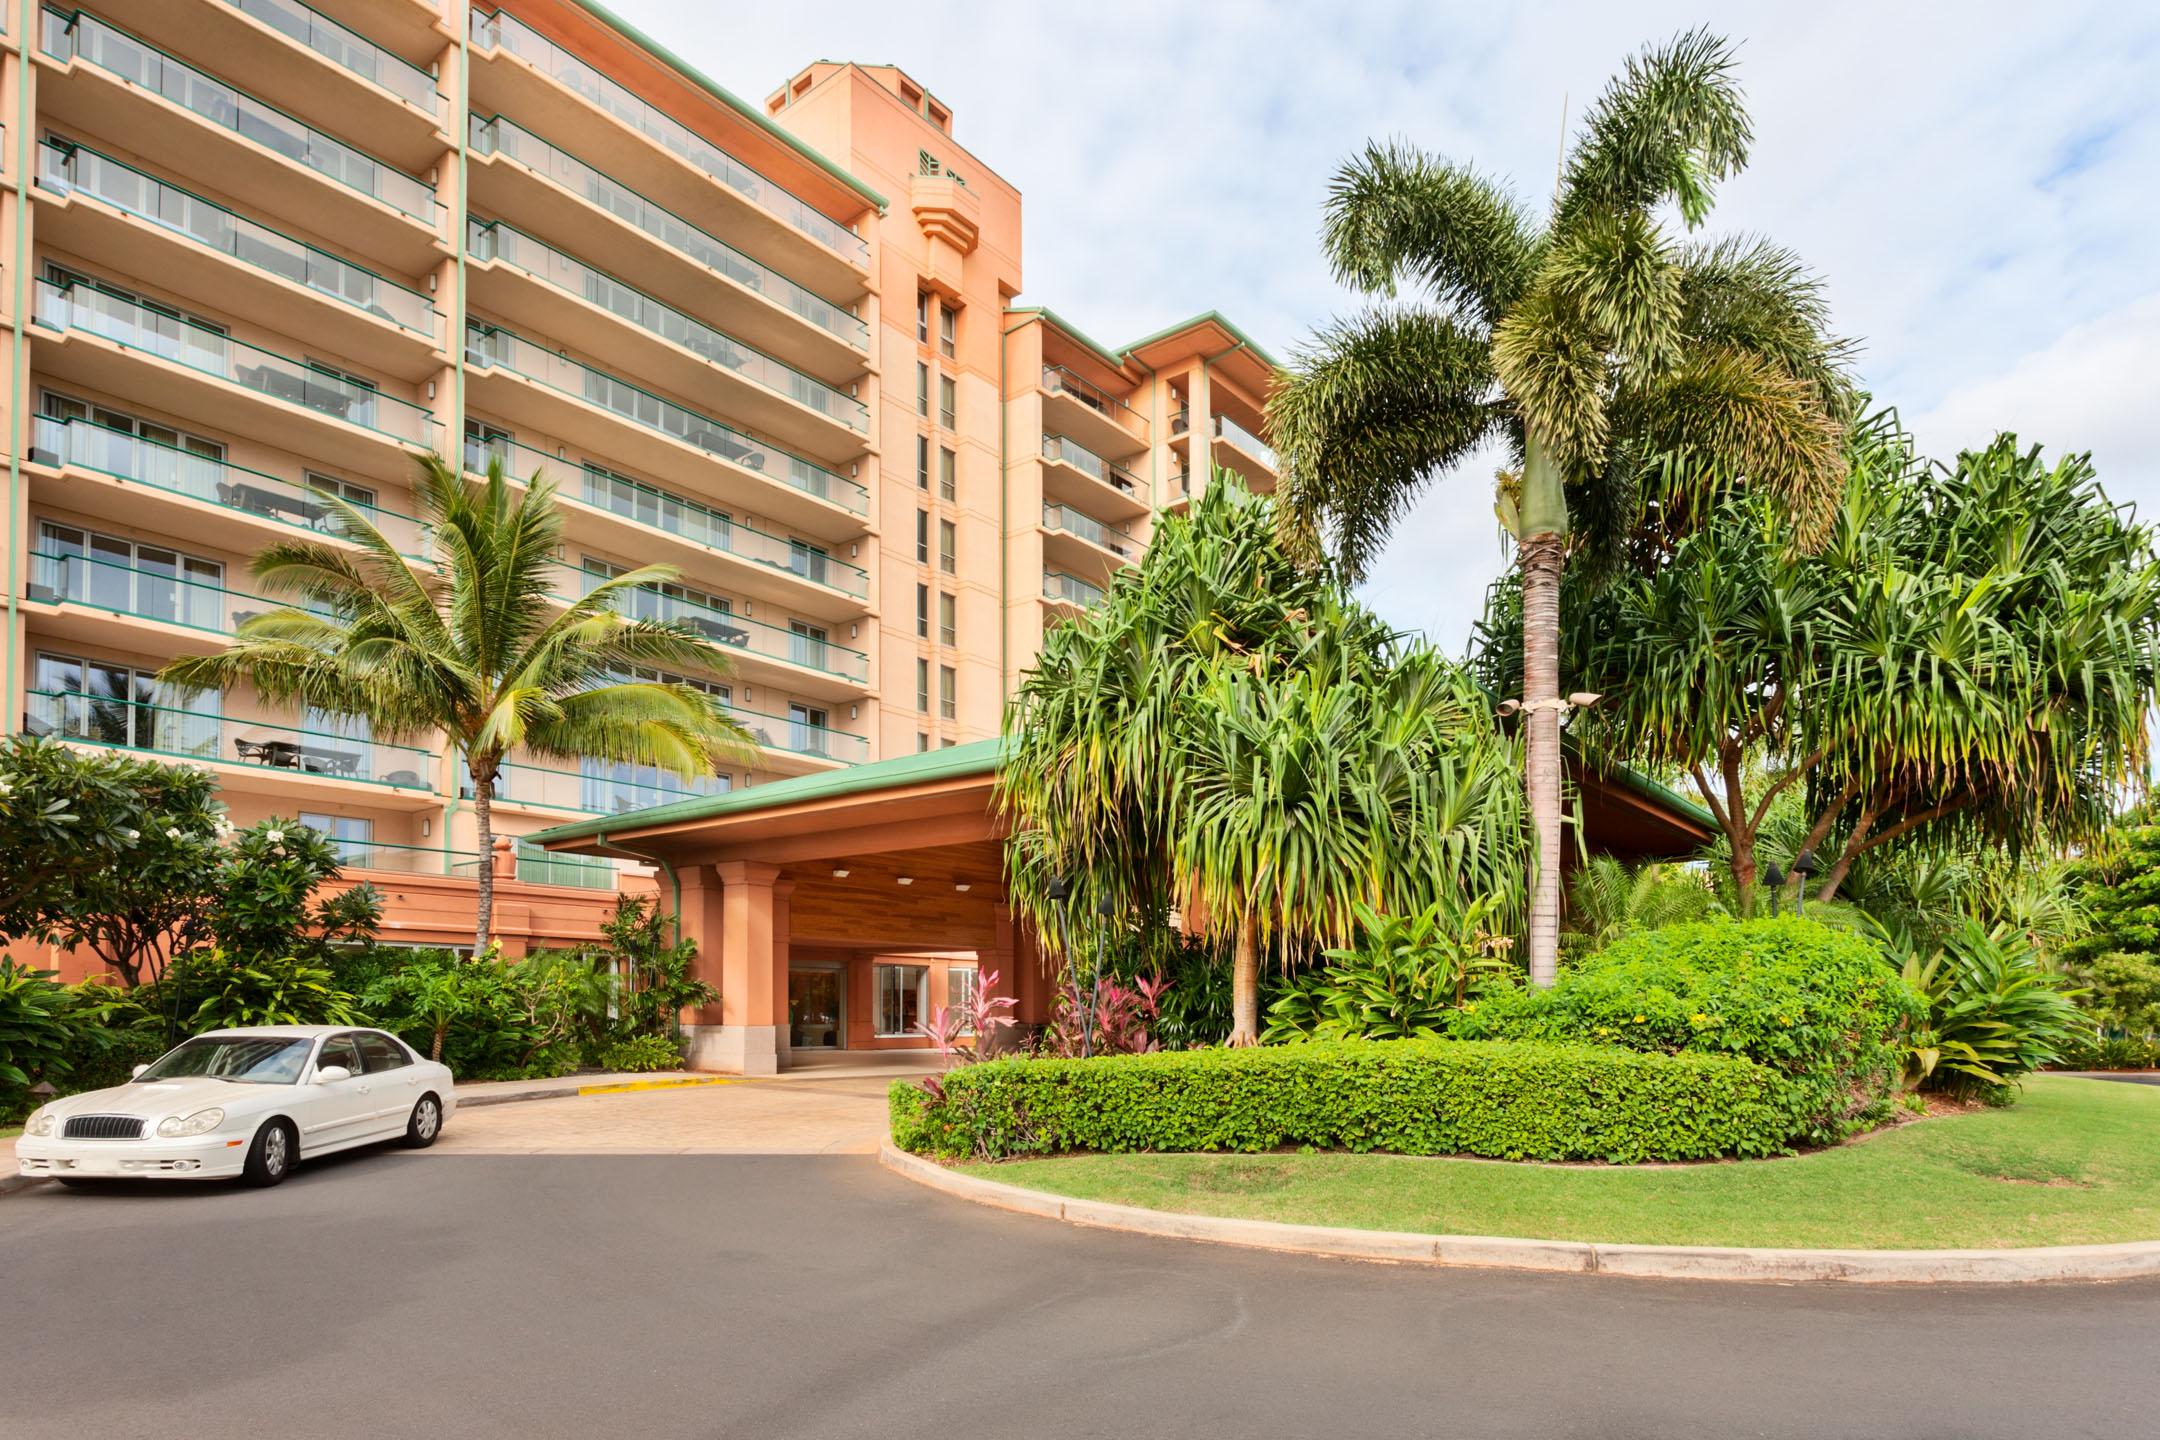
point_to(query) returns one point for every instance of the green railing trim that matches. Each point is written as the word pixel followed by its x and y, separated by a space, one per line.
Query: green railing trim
pixel 177 580
pixel 70 147
pixel 224 719
pixel 733 618
pixel 482 359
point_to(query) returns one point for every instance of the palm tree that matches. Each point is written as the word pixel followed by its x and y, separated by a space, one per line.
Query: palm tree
pixel 469 648
pixel 1627 376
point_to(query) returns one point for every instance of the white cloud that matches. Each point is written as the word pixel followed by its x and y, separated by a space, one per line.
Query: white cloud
pixel 1975 181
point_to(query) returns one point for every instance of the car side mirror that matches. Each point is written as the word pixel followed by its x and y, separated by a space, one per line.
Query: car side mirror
pixel 136 1073
pixel 331 1074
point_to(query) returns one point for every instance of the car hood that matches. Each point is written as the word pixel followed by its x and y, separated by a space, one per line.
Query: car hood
pixel 158 1098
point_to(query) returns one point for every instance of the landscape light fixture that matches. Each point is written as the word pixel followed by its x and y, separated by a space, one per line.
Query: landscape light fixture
pixel 1774 879
pixel 1803 866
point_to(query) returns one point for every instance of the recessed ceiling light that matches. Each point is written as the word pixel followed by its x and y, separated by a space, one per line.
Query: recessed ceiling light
pixel 961 886
pixel 838 873
pixel 907 879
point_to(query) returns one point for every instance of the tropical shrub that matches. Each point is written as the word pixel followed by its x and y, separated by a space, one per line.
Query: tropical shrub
pixel 1994 1014
pixel 1413 1097
pixel 230 991
pixel 653 972
pixel 38 1032
pixel 636 1054
pixel 1608 899
pixel 1814 1006
pixel 488 1020
pixel 1403 980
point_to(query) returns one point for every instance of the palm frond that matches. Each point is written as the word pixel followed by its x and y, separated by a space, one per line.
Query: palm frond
pixel 1396 212
pixel 1667 128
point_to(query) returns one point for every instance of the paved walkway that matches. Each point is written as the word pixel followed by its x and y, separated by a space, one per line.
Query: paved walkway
pixel 839 1113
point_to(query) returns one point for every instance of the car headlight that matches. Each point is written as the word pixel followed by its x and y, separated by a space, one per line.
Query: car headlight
pixel 202 1122
pixel 41 1123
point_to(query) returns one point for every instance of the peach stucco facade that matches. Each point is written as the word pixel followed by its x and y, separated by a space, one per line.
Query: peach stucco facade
pixel 257 252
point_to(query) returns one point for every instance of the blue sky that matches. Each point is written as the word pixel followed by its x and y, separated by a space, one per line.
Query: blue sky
pixel 1978 183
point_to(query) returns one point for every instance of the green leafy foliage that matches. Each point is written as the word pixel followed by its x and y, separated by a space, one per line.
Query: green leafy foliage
pixel 1412 1097
pixel 238 990
pixel 1994 1013
pixel 1609 899
pixel 638 1054
pixel 37 1033
pixel 1403 980
pixel 488 1020
pixel 1817 1008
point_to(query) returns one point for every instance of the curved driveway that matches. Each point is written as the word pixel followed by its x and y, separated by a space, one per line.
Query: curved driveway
pixel 482 1295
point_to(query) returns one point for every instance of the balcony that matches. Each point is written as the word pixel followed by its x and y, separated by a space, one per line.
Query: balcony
pixel 523 178
pixel 596 788
pixel 804 661
pixel 1062 589
pixel 611 416
pixel 256 756
pixel 777 568
pixel 518 69
pixel 655 339
pixel 1076 473
pixel 94 457
pixel 117 216
pixel 185 121
pixel 1232 446
pixel 1078 541
pixel 305 62
pixel 73 583
pixel 185 368
pixel 1091 415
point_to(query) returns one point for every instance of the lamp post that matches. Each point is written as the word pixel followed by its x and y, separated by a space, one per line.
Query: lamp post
pixel 1803 866
pixel 1773 880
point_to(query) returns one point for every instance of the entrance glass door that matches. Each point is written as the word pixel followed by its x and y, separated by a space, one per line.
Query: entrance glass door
pixel 814 1012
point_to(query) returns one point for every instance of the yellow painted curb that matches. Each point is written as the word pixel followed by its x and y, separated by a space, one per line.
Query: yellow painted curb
pixel 621 1087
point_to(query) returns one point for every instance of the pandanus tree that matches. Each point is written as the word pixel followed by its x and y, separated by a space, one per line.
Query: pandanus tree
pixel 1228 734
pixel 480 647
pixel 1627 377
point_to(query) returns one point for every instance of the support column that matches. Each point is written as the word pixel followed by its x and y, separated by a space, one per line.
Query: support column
pixel 736 911
pixel 1200 430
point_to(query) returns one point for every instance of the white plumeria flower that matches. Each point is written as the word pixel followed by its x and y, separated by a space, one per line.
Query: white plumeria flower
pixel 172 832
pixel 275 837
pixel 6 789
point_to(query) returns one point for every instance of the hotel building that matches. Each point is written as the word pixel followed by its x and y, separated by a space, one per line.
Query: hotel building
pixel 257 252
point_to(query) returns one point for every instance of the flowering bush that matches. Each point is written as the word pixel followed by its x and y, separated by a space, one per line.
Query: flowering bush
pixel 1819 1008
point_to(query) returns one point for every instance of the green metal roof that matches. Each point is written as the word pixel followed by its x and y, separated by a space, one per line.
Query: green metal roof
pixel 1201 319
pixel 956 762
pixel 728 98
pixel 1071 331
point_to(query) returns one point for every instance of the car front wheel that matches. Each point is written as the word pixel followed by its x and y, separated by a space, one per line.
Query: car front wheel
pixel 270 1159
pixel 425 1124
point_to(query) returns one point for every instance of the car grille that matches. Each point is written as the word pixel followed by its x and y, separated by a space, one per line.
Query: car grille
pixel 102 1127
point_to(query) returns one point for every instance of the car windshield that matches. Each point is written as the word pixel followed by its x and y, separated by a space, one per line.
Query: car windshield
pixel 243 1059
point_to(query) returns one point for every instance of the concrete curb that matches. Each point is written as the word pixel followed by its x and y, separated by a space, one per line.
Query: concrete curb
pixel 1665 1262
pixel 618 1087
pixel 9 1184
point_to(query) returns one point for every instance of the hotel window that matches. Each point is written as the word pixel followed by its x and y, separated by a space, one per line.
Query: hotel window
pixel 948 693
pixel 903 992
pixel 922 742
pixel 948 330
pixel 165 320
pixel 922 462
pixel 922 611
pixel 948 401
pixel 348 835
pixel 948 621
pixel 948 483
pixel 807 729
pixel 122 576
pixel 345 490
pixel 116 705
pixel 485 442
pixel 922 388
pixel 807 645
pixel 192 478
pixel 948 547
pixel 960 993
pixel 922 317
pixel 922 687
pixel 922 537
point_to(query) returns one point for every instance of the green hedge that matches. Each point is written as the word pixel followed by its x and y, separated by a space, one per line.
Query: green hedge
pixel 1818 1007
pixel 1411 1097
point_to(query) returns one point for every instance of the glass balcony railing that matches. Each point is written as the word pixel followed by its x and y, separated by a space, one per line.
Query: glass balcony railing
pixel 189 734
pixel 65 167
pixel 596 788
pixel 84 445
pixel 1182 421
pixel 488 346
pixel 800 737
pixel 1059 381
pixel 727 629
pixel 1238 436
pixel 493 240
pixel 504 137
pixel 174 597
pixel 136 326
pixel 579 872
pixel 1066 452
pixel 1069 589
pixel 1088 528
pixel 92 41
pixel 404 859
pixel 507 32
pixel 672 514
pixel 342 47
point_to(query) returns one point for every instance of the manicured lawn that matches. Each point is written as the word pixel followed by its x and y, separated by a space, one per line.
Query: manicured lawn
pixel 9 1132
pixel 2075 1162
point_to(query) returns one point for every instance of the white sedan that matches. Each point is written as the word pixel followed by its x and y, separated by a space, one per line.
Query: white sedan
pixel 242 1102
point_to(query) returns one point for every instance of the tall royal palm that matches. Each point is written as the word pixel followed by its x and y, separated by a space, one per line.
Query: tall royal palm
pixel 477 648
pixel 1629 377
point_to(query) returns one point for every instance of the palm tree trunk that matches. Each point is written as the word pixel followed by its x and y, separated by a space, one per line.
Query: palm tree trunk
pixel 1544 533
pixel 484 817
pixel 1245 988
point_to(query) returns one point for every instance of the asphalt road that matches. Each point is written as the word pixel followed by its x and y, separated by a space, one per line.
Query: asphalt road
pixel 388 1295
